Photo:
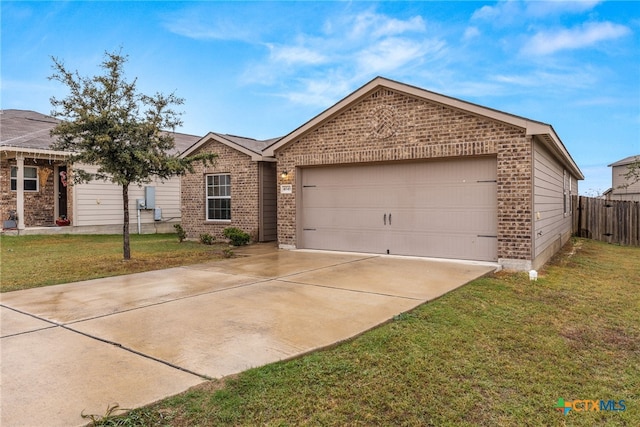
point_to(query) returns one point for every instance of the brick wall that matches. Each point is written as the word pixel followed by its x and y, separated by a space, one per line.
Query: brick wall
pixel 388 126
pixel 39 206
pixel 244 193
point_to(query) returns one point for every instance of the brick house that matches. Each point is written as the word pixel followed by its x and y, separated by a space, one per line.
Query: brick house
pixel 35 185
pixel 241 172
pixel 396 169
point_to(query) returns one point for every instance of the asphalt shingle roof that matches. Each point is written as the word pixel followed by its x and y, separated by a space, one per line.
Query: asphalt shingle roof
pixel 626 160
pixel 257 146
pixel 26 129
pixel 29 129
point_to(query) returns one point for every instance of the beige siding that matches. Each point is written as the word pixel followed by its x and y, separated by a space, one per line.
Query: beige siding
pixel 632 192
pixel 551 221
pixel 100 202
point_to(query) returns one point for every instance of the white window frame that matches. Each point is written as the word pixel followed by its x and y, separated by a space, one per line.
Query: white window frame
pixel 211 196
pixel 14 179
pixel 566 195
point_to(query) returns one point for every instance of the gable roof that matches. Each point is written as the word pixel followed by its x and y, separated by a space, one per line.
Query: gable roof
pixel 29 132
pixel 543 131
pixel 626 161
pixel 249 146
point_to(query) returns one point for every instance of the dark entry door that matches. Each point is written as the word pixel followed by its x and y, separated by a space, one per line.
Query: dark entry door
pixel 62 192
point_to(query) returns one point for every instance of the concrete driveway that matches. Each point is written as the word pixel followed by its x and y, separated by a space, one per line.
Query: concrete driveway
pixel 135 339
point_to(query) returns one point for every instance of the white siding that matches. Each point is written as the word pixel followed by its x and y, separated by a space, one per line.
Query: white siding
pixel 550 181
pixel 100 203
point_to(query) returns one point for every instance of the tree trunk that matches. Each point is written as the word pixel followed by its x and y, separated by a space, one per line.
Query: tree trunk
pixel 126 249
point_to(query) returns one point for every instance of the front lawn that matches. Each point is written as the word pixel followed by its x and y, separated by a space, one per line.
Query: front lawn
pixel 33 261
pixel 500 351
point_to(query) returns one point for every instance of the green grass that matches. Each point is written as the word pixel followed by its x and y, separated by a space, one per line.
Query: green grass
pixel 499 351
pixel 33 261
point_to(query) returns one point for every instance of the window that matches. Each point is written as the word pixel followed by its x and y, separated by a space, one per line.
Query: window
pixel 566 196
pixel 570 194
pixel 30 178
pixel 219 197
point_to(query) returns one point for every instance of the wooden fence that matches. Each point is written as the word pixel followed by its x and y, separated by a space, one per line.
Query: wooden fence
pixel 611 221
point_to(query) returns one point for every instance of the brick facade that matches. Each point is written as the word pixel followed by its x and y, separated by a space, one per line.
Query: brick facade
pixel 39 206
pixel 244 193
pixel 390 126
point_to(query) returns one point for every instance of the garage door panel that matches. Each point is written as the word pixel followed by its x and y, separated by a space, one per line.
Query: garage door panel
pixel 344 196
pixel 445 196
pixel 439 208
pixel 432 220
pixel 360 239
pixel 446 245
pixel 346 218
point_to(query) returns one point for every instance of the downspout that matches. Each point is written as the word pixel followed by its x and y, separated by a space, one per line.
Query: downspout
pixel 533 201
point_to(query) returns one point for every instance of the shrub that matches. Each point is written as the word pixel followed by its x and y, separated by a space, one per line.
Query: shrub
pixel 180 232
pixel 207 239
pixel 236 236
pixel 227 253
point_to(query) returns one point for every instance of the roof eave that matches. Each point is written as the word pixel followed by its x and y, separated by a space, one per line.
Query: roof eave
pixel 414 91
pixel 38 152
pixel 550 138
pixel 211 136
pixel 531 127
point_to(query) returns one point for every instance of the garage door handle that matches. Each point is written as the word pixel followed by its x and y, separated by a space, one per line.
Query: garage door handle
pixel 384 219
pixel 389 219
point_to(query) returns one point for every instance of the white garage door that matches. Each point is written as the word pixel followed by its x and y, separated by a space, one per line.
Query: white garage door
pixel 445 208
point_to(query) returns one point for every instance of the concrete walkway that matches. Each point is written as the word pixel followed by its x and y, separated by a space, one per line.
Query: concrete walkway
pixel 135 339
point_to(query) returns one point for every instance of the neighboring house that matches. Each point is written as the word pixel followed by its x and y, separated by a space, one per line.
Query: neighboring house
pixel 395 169
pixel 621 188
pixel 35 183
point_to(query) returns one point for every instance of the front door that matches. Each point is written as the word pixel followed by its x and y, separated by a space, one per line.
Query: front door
pixel 62 192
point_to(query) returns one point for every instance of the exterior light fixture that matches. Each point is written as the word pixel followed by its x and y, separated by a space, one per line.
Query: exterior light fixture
pixel 284 175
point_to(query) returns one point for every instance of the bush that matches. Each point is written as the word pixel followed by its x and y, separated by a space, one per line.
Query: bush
pixel 227 253
pixel 180 232
pixel 207 239
pixel 236 236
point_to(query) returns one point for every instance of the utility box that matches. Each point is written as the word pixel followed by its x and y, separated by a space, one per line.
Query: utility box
pixel 150 197
pixel 140 204
pixel 157 214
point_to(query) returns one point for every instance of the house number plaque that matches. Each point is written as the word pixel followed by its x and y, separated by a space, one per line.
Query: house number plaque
pixel 286 189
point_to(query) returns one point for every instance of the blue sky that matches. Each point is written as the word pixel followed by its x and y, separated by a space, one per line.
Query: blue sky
pixel 261 69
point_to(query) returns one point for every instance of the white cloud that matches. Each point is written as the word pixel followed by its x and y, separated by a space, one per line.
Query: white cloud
pixel 556 7
pixel 504 12
pixel 471 33
pixel 299 55
pixel 392 27
pixel 512 11
pixel 214 31
pixel 394 53
pixel 367 25
pixel 200 23
pixel 548 42
pixel 568 79
pixel 341 54
pixel 320 92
